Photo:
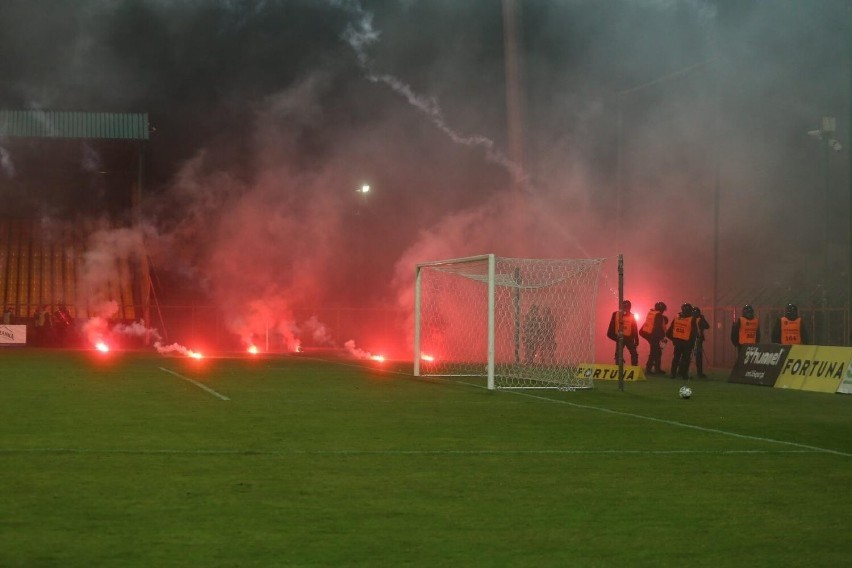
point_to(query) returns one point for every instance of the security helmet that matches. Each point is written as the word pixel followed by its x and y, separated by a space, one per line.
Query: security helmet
pixel 686 309
pixel 696 311
pixel 791 311
pixel 748 311
pixel 660 307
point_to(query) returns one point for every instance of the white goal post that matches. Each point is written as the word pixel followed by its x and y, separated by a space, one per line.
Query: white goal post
pixel 522 322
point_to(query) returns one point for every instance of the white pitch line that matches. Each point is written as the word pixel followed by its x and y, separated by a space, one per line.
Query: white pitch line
pixel 631 415
pixel 226 452
pixel 196 383
pixel 682 424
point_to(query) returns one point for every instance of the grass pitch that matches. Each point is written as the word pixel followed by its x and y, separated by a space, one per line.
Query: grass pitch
pixel 125 460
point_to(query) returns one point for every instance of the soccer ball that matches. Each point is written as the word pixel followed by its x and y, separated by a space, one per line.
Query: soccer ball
pixel 685 392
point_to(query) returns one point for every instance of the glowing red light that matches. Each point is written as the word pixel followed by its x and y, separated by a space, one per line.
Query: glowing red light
pixel 253 349
pixel 425 357
pixel 102 347
pixel 379 358
pixel 635 316
pixel 195 354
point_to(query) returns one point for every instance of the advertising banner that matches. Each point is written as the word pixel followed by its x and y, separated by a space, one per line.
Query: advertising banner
pixel 13 334
pixel 759 364
pixel 600 372
pixel 846 384
pixel 814 368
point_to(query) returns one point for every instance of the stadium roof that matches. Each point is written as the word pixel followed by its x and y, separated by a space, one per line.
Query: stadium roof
pixel 62 124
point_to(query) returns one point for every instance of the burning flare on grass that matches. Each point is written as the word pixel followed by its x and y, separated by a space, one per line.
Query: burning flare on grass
pixel 360 353
pixel 177 347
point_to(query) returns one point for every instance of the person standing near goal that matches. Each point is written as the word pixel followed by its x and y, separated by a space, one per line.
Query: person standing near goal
pixel 682 333
pixel 698 350
pixel 548 337
pixel 654 332
pixel 788 329
pixel 532 334
pixel 624 320
pixel 746 328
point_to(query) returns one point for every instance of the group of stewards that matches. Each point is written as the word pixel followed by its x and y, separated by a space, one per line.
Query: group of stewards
pixel 686 332
pixel 787 330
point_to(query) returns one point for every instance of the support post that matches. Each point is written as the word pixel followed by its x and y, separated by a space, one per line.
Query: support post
pixel 516 298
pixel 417 321
pixel 620 323
pixel 492 263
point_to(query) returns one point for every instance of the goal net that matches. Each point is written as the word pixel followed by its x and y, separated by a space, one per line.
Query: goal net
pixel 523 323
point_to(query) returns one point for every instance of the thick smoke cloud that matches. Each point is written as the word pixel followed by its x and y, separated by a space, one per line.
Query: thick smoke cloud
pixel 638 116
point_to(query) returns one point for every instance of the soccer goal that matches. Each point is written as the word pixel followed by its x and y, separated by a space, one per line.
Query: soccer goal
pixel 521 322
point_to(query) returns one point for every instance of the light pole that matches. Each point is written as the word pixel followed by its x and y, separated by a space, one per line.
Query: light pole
pixel 621 95
pixel 363 191
pixel 361 226
pixel 825 134
pixel 847 340
pixel 514 86
pixel 619 158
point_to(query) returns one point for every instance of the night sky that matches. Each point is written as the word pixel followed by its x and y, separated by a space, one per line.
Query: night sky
pixel 269 115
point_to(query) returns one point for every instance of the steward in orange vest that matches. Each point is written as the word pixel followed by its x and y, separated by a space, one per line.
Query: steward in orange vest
pixel 746 329
pixel 788 329
pixel 682 333
pixel 654 332
pixel 698 348
pixel 624 319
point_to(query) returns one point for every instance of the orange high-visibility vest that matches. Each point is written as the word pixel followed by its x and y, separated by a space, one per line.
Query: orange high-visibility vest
pixel 628 329
pixel 648 326
pixel 682 328
pixel 748 330
pixel 791 331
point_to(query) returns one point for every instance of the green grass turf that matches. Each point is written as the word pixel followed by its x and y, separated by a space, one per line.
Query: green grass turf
pixel 112 461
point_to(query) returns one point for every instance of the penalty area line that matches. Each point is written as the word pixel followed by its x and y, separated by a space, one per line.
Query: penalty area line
pixel 220 396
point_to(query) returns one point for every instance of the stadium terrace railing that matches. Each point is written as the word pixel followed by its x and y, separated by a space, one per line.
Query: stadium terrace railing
pixel 204 324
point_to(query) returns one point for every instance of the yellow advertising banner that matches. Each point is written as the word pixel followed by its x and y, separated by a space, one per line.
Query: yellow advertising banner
pixel 600 372
pixel 814 368
pixel 846 384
